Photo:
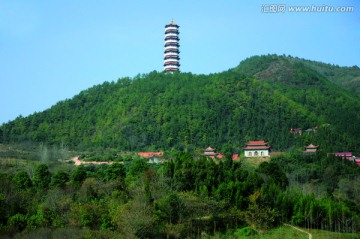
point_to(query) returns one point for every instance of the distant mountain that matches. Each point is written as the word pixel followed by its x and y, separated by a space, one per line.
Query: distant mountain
pixel 262 98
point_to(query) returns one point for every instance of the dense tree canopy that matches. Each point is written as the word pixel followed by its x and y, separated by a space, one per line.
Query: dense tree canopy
pixel 260 99
pixel 184 197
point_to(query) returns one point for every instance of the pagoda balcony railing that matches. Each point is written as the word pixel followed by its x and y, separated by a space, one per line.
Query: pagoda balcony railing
pixel 171 35
pixel 171 60
pixel 171 64
pixel 171 47
pixel 175 31
pixel 172 69
pixel 172 44
pixel 171 50
pixel 174 63
pixel 175 57
pixel 172 38
pixel 170 54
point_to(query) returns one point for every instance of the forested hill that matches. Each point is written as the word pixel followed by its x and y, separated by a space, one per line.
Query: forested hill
pixel 262 98
pixel 271 66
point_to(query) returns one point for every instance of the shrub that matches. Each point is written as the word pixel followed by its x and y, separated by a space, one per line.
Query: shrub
pixel 245 232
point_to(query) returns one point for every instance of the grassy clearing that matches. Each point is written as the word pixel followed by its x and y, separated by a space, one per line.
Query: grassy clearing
pixel 321 234
pixel 283 232
pixel 287 232
pixel 253 163
pixel 14 158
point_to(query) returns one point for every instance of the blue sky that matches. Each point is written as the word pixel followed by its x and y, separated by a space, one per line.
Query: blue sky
pixel 51 50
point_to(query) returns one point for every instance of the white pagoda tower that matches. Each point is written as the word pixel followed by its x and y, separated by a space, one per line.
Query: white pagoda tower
pixel 171 57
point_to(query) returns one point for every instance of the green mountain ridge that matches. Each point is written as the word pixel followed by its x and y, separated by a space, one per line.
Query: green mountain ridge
pixel 346 77
pixel 262 98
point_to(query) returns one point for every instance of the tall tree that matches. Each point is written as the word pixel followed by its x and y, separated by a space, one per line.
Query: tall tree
pixel 42 177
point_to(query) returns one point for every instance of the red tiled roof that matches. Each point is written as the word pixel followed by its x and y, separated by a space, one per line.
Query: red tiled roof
pixel 220 156
pixel 256 147
pixel 235 156
pixel 343 154
pixel 150 154
pixel 259 142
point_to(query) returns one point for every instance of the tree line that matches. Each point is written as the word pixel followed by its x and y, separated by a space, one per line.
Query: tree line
pixel 184 197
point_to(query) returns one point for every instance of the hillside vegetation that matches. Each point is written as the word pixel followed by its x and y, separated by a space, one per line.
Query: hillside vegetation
pixel 43 195
pixel 186 197
pixel 346 77
pixel 262 98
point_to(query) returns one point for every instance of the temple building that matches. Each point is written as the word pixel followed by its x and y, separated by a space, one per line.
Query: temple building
pixel 209 152
pixel 171 57
pixel 257 149
pixel 311 149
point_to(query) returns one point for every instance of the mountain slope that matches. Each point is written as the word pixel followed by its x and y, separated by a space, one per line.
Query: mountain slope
pixel 346 77
pixel 256 100
pixel 295 79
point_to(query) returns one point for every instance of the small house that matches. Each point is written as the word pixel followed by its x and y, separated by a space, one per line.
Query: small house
pixel 153 157
pixel 344 155
pixel 296 131
pixel 235 157
pixel 357 160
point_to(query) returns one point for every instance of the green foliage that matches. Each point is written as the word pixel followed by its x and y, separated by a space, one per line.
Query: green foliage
pixel 59 179
pixel 79 175
pixel 42 177
pixel 22 180
pixel 89 216
pixel 324 175
pixel 328 106
pixel 138 167
pixel 274 172
pixel 115 171
pixel 260 216
pixel 170 208
pixel 36 221
pixel 260 99
pixel 245 232
pixel 186 197
pixel 270 65
pixel 18 221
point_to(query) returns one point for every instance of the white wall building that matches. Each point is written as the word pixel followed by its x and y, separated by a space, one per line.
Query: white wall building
pixel 257 149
